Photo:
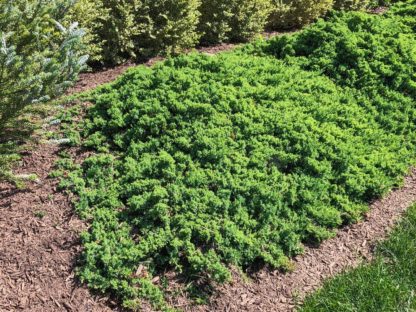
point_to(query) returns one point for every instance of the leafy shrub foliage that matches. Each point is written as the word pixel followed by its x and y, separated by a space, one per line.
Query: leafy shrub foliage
pixel 287 14
pixel 173 26
pixel 122 29
pixel 351 4
pixel 39 58
pixel 117 30
pixel 110 26
pixel 203 162
pixel 235 20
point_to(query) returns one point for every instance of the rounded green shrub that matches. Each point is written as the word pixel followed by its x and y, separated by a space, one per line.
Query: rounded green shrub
pixel 118 30
pixel 287 14
pixel 110 27
pixel 351 4
pixel 170 26
pixel 232 20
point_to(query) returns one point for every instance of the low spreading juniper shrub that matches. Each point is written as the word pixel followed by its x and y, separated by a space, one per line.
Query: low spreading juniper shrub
pixel 357 50
pixel 375 55
pixel 406 12
pixel 206 162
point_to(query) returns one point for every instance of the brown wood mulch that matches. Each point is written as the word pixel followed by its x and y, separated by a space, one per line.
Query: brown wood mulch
pixel 39 244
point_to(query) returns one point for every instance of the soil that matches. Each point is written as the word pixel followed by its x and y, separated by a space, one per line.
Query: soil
pixel 40 246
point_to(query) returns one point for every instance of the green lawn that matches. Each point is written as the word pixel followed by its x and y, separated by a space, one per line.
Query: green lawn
pixel 386 284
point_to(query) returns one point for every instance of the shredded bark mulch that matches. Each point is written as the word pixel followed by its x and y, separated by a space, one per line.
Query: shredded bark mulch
pixel 39 244
pixel 379 10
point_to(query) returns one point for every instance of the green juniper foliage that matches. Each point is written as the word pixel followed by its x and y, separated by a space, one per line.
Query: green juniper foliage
pixel 204 162
pixel 357 50
pixel 39 58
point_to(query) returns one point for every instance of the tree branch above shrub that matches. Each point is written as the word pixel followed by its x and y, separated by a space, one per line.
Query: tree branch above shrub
pixel 39 58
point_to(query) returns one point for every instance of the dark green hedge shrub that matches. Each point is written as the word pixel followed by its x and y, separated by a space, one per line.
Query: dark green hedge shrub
pixel 232 20
pixel 110 27
pixel 173 26
pixel 287 14
pixel 39 58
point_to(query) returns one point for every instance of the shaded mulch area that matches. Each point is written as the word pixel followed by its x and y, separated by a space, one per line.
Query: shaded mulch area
pixel 39 243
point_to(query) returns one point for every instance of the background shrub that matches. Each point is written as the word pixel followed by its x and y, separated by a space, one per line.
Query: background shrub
pixel 287 14
pixel 119 30
pixel 39 58
pixel 351 4
pixel 110 26
pixel 88 13
pixel 171 26
pixel 232 20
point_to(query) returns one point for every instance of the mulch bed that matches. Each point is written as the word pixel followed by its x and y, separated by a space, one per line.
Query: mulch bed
pixel 39 244
pixel 40 247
